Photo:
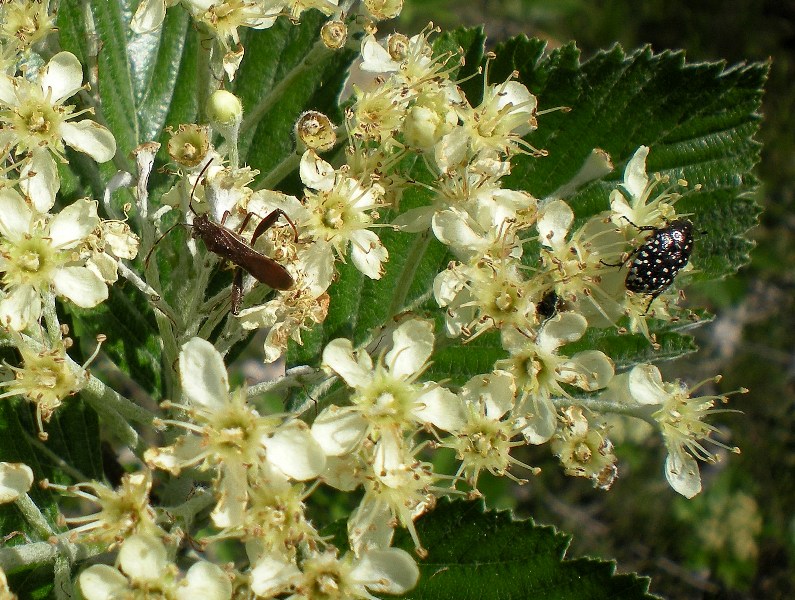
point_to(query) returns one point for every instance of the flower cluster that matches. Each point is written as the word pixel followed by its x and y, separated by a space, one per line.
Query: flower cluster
pixel 48 252
pixel 214 467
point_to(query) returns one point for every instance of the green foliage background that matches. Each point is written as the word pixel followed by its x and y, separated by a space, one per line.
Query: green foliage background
pixel 705 548
pixel 702 548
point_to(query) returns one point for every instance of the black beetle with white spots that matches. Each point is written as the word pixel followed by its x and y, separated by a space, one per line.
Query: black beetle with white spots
pixel 660 258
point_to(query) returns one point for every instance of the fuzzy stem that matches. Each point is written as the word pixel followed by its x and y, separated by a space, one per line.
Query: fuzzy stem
pixel 33 515
pixel 602 405
pixel 51 318
pixel 41 553
pixel 402 285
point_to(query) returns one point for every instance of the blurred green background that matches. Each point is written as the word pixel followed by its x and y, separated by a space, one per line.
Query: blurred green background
pixel 736 539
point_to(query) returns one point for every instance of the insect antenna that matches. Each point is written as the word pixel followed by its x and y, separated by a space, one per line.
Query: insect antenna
pixel 190 205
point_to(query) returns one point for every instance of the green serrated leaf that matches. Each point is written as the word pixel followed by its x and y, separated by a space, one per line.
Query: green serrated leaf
pixel 459 362
pixel 73 440
pixel 133 340
pixel 163 75
pixel 96 32
pixel 628 350
pixel 698 119
pixel 473 553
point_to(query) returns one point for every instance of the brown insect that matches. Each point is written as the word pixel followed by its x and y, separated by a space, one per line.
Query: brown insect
pixel 231 246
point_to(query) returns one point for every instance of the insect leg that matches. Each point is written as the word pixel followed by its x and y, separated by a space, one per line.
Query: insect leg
pixel 268 222
pixel 237 290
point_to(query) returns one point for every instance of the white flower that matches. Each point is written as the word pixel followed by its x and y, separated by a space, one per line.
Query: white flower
pixel 339 213
pixel 485 441
pixel 122 511
pixel 386 395
pixel 575 263
pixel 387 571
pixel 145 571
pixel 42 253
pixel 35 119
pixel 539 370
pixel 246 449
pixel 493 129
pixel 487 294
pixel 150 14
pixel 15 480
pixel 582 449
pixel 632 205
pixel 680 417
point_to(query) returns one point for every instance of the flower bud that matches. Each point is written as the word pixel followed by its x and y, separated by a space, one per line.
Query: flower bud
pixel 189 145
pixel 334 34
pixel 316 131
pixel 224 110
pixel 384 9
pixel 428 121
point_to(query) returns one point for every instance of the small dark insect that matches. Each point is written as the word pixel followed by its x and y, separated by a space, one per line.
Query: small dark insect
pixel 656 263
pixel 549 304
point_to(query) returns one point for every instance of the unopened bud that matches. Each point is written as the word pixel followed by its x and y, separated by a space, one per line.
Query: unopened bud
pixel 316 131
pixel 224 110
pixel 384 9
pixel 189 145
pixel 334 34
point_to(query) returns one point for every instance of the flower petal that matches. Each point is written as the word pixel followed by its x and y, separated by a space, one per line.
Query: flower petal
pixel 370 525
pixel 553 226
pixel 589 370
pixel 203 375
pixel 389 571
pixel 456 228
pixel 20 308
pixel 273 575
pixel 71 226
pixel 143 558
pixel 15 480
pixel 561 329
pixel 496 390
pixel 205 580
pixel 81 285
pixel 232 491
pixel 338 356
pixel 103 582
pixel 412 344
pixel 90 138
pixel 440 407
pixel 148 16
pixel 635 178
pixel 63 75
pixel 339 430
pixel 681 471
pixel 316 173
pixel 294 451
pixel 541 424
pixel 8 93
pixel 15 215
pixel 646 385
pixel 368 253
pixel 39 180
